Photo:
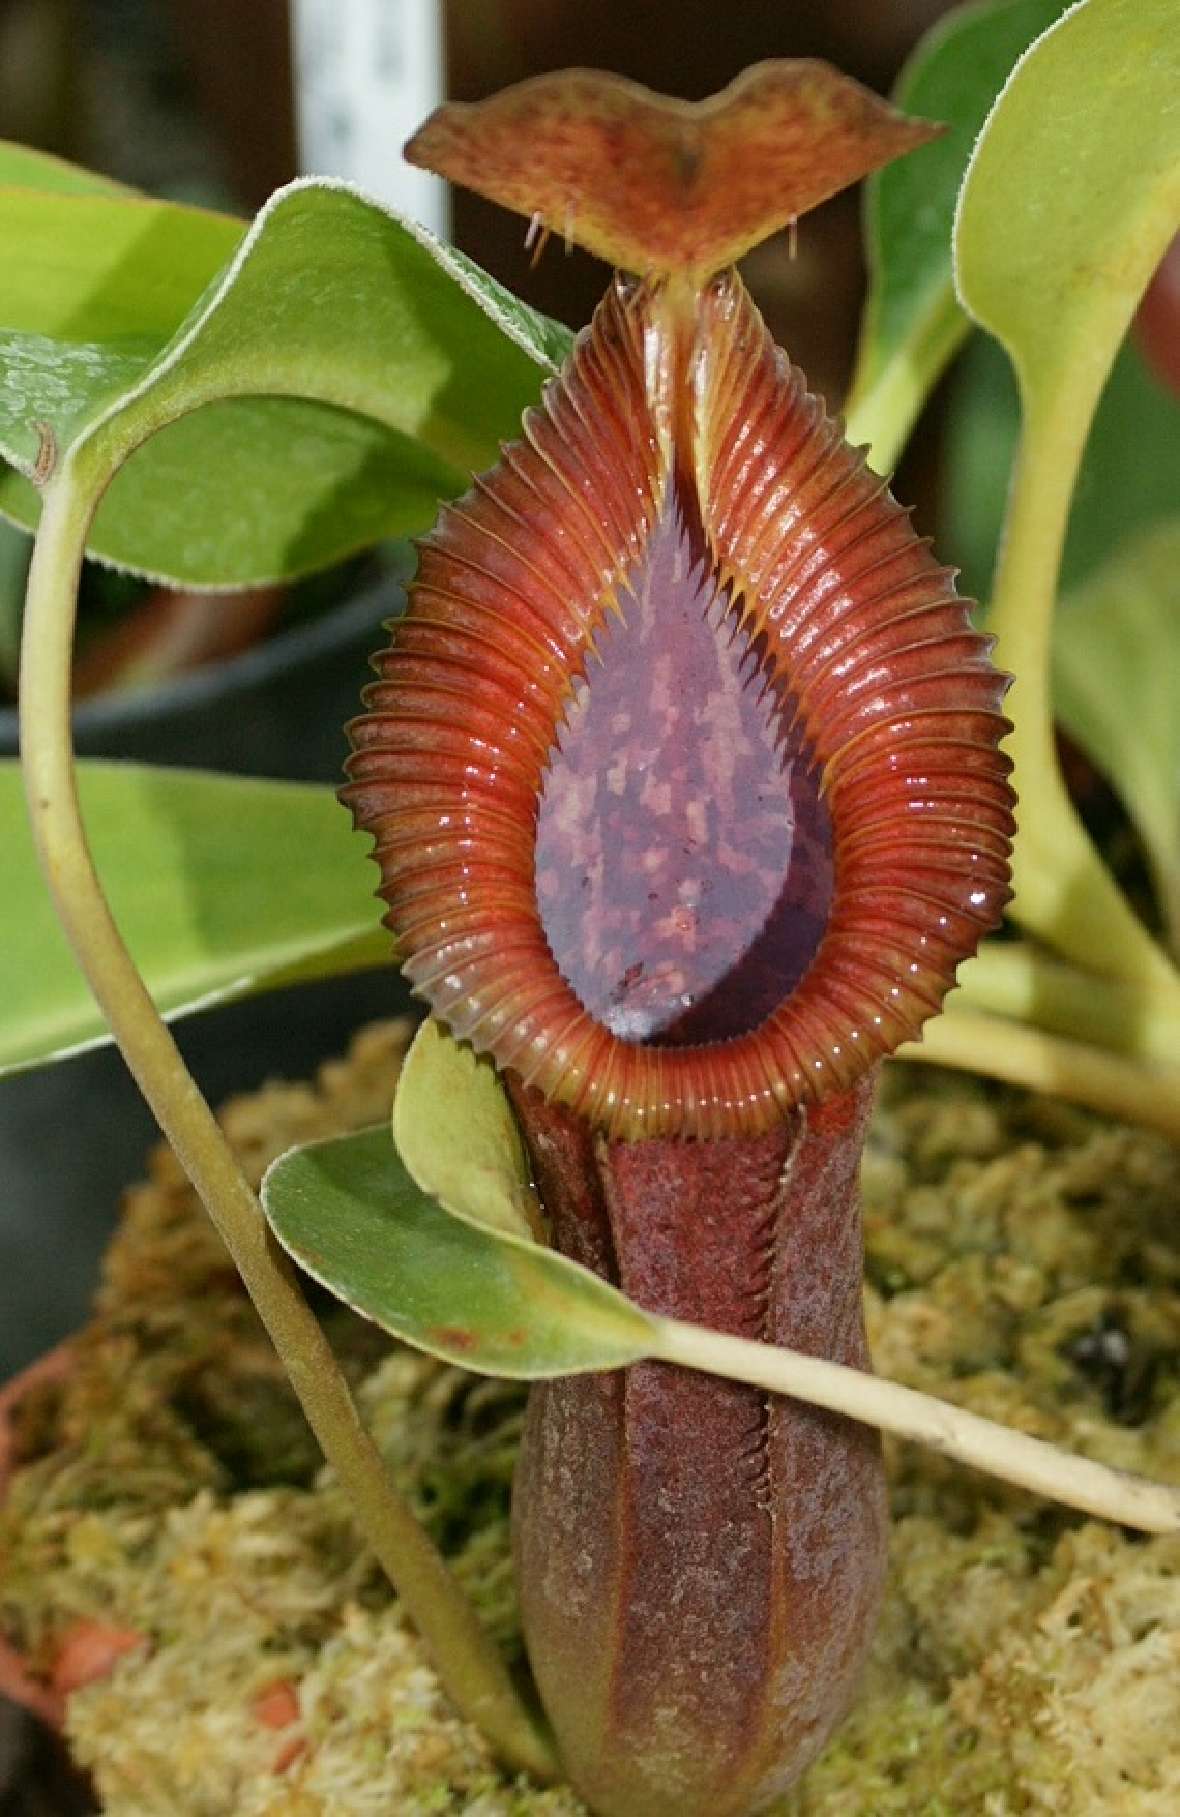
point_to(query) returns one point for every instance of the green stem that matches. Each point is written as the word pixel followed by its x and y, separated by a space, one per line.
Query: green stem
pixel 972 1042
pixel 1063 891
pixel 1015 1457
pixel 880 415
pixel 1016 979
pixel 469 1666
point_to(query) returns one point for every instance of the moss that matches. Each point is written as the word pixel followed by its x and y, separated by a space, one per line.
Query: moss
pixel 1027 1659
pixel 1023 1260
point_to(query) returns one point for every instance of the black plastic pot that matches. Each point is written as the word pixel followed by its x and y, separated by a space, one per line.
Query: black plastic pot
pixel 73 1135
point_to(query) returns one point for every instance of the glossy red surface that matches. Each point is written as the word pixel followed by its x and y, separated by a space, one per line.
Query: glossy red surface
pixel 676 409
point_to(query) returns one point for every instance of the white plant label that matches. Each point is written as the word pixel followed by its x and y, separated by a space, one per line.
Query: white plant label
pixel 367 73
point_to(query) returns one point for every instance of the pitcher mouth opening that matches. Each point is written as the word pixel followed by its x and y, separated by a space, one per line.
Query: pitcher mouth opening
pixel 684 857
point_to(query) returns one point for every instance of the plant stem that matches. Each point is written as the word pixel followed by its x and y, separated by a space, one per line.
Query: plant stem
pixel 1017 979
pixel 973 1042
pixel 951 1431
pixel 1063 891
pixel 469 1666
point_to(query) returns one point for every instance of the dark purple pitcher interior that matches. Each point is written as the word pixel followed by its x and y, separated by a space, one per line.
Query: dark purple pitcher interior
pixel 684 849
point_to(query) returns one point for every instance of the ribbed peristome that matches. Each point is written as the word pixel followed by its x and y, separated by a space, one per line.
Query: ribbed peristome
pixel 855 624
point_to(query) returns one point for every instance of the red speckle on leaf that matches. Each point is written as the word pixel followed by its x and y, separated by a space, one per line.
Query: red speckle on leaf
pixel 455 1337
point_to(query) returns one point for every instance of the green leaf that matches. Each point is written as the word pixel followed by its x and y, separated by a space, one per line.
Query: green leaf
pixel 352 1217
pixel 1071 198
pixel 912 322
pixel 1074 191
pixel 457 1137
pixel 348 1212
pixel 1116 676
pixel 217 883
pixel 92 288
pixel 94 284
pixel 23 168
pixel 258 489
pixel 307 390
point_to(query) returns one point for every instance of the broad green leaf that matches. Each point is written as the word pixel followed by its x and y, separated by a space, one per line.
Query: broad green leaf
pixel 349 1213
pixel 92 288
pixel 1071 198
pixel 912 322
pixel 258 489
pixel 1073 192
pixel 89 268
pixel 217 883
pixel 308 389
pixel 1116 675
pixel 457 1137
pixel 23 168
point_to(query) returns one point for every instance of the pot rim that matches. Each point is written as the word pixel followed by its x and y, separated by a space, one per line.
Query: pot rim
pixel 378 598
